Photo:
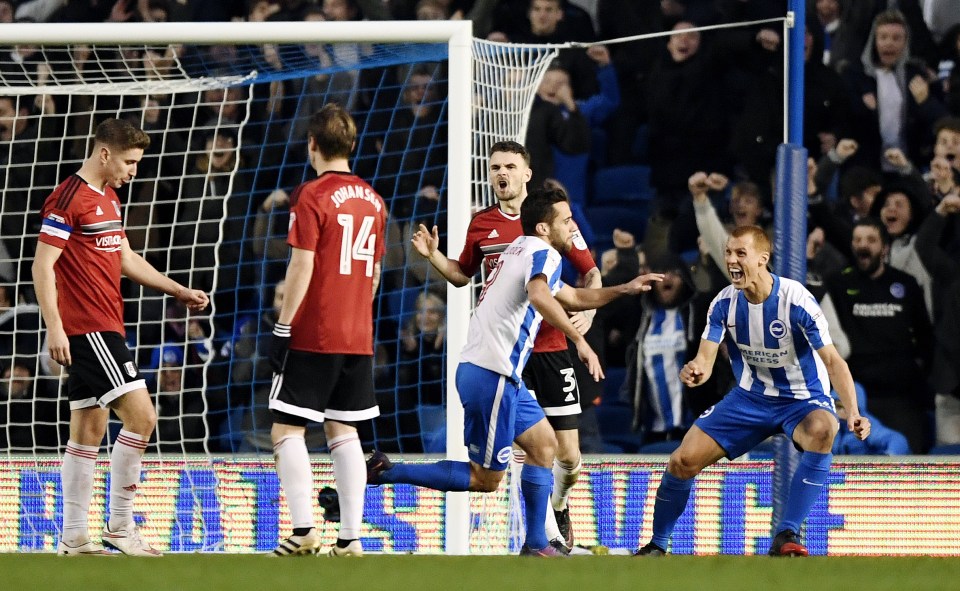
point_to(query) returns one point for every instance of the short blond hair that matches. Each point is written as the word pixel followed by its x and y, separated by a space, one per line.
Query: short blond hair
pixel 760 240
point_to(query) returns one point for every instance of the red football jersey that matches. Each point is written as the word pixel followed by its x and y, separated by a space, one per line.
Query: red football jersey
pixel 342 220
pixel 490 232
pixel 86 224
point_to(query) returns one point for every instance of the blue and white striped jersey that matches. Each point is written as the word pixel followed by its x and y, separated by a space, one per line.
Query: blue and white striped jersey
pixel 504 324
pixel 773 345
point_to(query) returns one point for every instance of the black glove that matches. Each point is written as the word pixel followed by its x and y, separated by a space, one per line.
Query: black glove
pixel 279 347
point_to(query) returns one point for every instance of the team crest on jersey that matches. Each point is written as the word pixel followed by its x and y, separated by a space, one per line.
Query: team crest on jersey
pixel 778 329
pixel 708 412
pixel 130 368
pixel 897 290
pixel 116 207
pixel 503 456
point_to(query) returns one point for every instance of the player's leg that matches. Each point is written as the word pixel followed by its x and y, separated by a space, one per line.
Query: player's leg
pixel 537 439
pixel 730 428
pixel 551 378
pixel 351 400
pixel 814 435
pixel 489 409
pixel 697 451
pixel 294 400
pixel 87 427
pixel 104 373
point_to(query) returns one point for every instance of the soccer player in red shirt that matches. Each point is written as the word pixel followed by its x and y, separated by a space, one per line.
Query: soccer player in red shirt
pixel 81 254
pixel 549 374
pixel 322 352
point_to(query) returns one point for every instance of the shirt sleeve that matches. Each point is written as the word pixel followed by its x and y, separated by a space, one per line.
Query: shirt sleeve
pixel 716 319
pixel 471 257
pixel 580 255
pixel 546 262
pixel 305 220
pixel 809 318
pixel 58 224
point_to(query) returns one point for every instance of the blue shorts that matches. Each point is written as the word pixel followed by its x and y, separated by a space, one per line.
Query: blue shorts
pixel 495 411
pixel 743 419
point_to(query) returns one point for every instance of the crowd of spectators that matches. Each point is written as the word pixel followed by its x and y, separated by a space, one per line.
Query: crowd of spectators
pixel 702 111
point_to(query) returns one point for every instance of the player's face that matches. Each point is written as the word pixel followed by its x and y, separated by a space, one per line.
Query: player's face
pixel 562 227
pixel 868 249
pixel 745 262
pixel 121 166
pixel 509 174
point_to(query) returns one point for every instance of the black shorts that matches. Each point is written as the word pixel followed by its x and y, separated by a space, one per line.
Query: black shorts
pixel 101 370
pixel 318 386
pixel 551 379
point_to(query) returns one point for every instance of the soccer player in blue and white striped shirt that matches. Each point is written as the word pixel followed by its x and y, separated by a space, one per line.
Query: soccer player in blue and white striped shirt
pixel 783 361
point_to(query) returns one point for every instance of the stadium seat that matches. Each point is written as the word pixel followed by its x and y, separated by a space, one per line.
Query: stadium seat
pixel 619 184
pixel 616 426
pixel 604 219
pixel 612 383
pixel 571 171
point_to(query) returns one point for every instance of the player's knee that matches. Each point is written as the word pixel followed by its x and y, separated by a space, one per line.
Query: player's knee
pixel 683 465
pixel 545 450
pixel 143 422
pixel 483 480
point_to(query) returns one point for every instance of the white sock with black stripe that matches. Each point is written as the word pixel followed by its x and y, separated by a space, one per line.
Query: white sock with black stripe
pixel 125 461
pixel 296 477
pixel 76 475
pixel 350 472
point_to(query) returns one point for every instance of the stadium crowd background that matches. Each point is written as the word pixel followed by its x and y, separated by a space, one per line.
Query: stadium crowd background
pixel 662 144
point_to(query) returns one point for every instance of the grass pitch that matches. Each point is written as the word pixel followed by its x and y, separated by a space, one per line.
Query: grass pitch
pixel 487 573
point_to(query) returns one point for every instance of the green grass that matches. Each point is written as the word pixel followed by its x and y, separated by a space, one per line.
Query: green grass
pixel 487 573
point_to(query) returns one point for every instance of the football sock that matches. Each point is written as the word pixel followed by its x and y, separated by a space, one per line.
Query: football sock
pixel 444 475
pixel 806 486
pixel 125 463
pixel 564 477
pixel 76 475
pixel 350 472
pixel 536 483
pixel 672 495
pixel 550 524
pixel 293 468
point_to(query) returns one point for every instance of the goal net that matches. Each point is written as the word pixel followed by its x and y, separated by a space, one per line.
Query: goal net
pixel 226 110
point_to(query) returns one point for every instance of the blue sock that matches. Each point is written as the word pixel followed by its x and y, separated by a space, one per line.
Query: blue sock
pixel 536 484
pixel 806 486
pixel 443 475
pixel 672 495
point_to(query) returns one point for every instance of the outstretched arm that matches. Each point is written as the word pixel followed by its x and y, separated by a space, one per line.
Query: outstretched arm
pixel 137 268
pixel 426 244
pixel 574 299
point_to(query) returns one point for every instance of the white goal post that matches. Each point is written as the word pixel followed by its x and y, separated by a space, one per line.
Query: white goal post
pixel 458 37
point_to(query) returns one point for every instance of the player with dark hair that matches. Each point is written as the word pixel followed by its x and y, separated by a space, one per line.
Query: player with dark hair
pixel 82 252
pixel 498 407
pixel 322 352
pixel 550 373
pixel 772 328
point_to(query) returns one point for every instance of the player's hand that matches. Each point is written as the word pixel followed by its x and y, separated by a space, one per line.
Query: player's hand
pixel 279 347
pixel 194 299
pixel 426 242
pixel 590 359
pixel 859 426
pixel 59 346
pixel 581 321
pixel 642 283
pixel 691 374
